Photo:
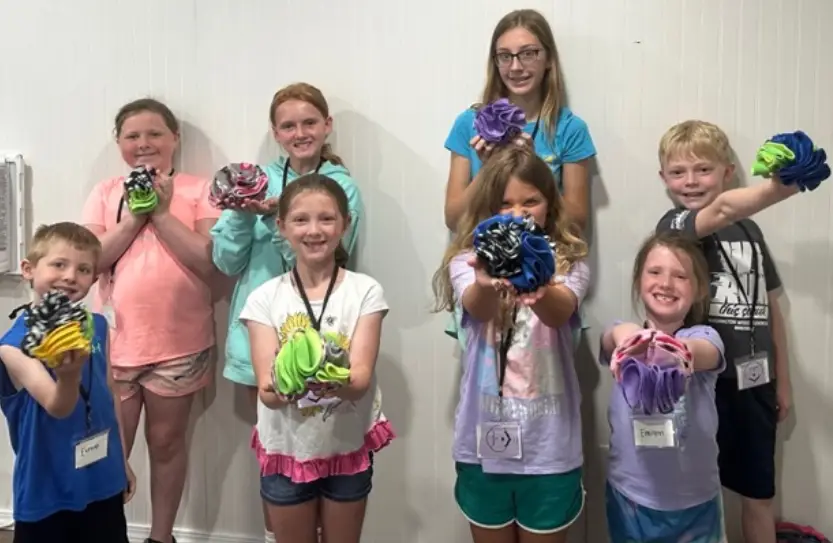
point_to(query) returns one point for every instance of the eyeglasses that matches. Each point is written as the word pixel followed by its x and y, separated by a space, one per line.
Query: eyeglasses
pixel 527 55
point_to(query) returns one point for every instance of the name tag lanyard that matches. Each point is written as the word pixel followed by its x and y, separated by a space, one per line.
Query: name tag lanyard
pixel 503 356
pixel 86 394
pixel 736 276
pixel 316 321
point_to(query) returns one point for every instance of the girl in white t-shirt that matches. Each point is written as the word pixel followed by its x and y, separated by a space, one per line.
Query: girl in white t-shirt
pixel 316 457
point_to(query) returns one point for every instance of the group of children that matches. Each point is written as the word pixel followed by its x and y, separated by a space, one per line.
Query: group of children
pixel 517 431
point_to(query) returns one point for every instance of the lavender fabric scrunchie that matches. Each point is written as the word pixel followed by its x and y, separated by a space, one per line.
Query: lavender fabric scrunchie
pixel 237 182
pixel 653 369
pixel 499 122
pixel 517 249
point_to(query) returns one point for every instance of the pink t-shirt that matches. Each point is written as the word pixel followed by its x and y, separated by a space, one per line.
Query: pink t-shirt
pixel 162 310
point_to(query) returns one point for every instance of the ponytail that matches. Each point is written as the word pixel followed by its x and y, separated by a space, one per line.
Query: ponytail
pixel 328 155
pixel 342 256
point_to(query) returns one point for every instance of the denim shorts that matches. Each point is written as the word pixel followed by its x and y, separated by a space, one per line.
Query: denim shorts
pixel 280 490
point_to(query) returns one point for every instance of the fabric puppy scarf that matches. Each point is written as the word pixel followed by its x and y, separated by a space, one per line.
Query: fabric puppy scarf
pixel 516 249
pixel 57 326
pixel 138 186
pixel 236 183
pixel 653 369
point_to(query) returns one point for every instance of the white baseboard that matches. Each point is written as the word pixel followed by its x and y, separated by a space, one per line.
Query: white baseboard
pixel 138 532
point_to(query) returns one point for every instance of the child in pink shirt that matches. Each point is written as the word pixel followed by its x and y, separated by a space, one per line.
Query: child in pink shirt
pixel 154 290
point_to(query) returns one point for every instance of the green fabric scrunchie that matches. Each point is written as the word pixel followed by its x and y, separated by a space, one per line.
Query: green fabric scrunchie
pixel 308 356
pixel 771 157
pixel 141 201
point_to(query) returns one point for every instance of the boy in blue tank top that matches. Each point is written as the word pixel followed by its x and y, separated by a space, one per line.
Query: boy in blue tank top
pixel 71 477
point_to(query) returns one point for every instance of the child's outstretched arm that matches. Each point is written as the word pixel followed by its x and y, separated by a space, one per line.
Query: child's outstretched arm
pixel 729 207
pixel 558 302
pixel 264 344
pixel 58 396
pixel 706 351
pixel 364 349
pixel 616 334
pixel 705 355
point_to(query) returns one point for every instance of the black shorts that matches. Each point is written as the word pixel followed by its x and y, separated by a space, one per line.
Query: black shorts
pixel 100 522
pixel 746 438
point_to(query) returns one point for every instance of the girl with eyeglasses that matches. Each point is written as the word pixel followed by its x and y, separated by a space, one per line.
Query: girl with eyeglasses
pixel 524 68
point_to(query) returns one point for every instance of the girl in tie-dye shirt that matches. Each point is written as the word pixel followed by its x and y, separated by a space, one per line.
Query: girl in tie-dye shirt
pixel 517 441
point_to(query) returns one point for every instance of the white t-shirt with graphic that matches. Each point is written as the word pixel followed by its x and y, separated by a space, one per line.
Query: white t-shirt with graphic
pixel 308 443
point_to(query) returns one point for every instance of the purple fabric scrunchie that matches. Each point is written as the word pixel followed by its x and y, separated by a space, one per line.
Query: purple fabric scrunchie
pixel 499 122
pixel 651 388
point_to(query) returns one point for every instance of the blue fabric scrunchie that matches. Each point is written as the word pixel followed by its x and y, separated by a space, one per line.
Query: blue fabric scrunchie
pixel 517 249
pixel 806 169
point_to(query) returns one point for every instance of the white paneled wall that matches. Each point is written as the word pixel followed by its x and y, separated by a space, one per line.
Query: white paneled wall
pixel 396 74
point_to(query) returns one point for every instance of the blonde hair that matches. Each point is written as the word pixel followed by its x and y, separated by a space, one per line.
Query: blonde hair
pixel 47 235
pixel 680 245
pixel 313 96
pixel 695 138
pixel 552 86
pixel 486 201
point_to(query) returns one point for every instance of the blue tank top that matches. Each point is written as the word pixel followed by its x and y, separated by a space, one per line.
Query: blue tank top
pixel 45 478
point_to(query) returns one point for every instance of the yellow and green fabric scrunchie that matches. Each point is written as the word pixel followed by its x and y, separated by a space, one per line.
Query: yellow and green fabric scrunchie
pixel 56 326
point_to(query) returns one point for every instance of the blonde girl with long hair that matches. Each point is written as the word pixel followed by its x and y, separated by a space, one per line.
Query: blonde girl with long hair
pixel 519 385
pixel 523 66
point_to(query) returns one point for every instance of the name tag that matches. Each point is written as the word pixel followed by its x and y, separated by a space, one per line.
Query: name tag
pixel 92 449
pixel 753 371
pixel 658 431
pixel 499 440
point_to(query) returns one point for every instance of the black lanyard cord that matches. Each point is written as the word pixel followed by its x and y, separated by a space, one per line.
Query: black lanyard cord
pixel 316 321
pixel 86 394
pixel 286 172
pixel 535 129
pixel 503 351
pixel 736 276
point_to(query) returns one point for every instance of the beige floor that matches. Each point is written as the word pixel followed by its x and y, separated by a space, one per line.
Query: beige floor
pixel 5 537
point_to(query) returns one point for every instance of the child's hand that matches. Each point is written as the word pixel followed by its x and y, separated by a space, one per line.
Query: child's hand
pixel 270 398
pixel 268 206
pixel 130 491
pixel 482 148
pixel 164 187
pixel 531 298
pixel 482 278
pixel 71 366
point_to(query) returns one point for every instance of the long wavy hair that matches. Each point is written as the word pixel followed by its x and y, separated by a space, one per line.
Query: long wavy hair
pixel 506 163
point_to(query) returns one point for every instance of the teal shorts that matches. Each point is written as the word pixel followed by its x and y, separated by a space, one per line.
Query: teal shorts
pixel 540 504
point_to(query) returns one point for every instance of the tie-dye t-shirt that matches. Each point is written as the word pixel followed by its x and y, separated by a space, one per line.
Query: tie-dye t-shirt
pixel 540 390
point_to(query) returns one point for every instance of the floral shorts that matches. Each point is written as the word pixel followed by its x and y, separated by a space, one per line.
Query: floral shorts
pixel 171 378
